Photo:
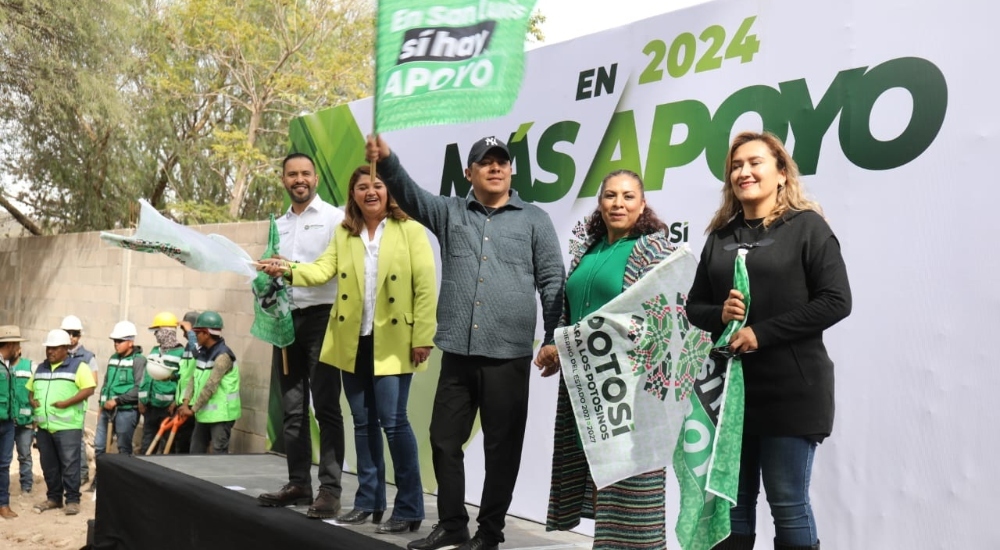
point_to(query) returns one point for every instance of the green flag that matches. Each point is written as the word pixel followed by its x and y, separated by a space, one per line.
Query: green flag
pixel 707 457
pixel 448 61
pixel 272 311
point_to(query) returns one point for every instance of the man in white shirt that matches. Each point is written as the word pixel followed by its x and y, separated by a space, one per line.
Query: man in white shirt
pixel 306 230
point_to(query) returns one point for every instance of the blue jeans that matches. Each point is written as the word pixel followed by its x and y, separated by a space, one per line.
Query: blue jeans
pixel 785 464
pixel 84 468
pixel 6 455
pixel 379 403
pixel 23 437
pixel 124 421
pixel 60 455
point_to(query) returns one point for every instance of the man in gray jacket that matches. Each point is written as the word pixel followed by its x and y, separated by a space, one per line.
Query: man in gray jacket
pixel 496 252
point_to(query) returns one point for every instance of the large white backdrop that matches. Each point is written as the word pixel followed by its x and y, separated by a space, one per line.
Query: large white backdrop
pixel 909 195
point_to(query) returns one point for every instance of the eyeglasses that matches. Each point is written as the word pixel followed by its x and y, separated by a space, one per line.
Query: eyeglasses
pixel 119 341
pixel 73 333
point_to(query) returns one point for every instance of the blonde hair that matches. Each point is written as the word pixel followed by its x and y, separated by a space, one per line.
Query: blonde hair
pixel 354 220
pixel 791 195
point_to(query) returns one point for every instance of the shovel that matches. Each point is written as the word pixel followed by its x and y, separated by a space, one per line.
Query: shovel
pixel 111 431
pixel 164 426
pixel 177 421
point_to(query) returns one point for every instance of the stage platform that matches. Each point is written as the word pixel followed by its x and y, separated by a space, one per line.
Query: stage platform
pixel 208 501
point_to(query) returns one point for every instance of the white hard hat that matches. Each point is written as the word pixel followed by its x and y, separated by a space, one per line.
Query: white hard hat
pixel 158 370
pixel 124 330
pixel 57 337
pixel 71 322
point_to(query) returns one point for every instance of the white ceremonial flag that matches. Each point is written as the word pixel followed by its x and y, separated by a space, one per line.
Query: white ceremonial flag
pixel 210 253
pixel 623 366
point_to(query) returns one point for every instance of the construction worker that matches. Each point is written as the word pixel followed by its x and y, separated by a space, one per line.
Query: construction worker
pixel 213 397
pixel 58 391
pixel 119 397
pixel 24 420
pixel 182 441
pixel 10 352
pixel 74 327
pixel 157 396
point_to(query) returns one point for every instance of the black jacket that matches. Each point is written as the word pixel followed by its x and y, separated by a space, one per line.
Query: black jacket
pixel 798 288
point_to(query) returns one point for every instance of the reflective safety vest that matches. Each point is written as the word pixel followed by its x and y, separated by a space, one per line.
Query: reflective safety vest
pixel 86 355
pixel 119 379
pixel 224 405
pixel 6 392
pixel 161 393
pixel 54 385
pixel 185 374
pixel 22 402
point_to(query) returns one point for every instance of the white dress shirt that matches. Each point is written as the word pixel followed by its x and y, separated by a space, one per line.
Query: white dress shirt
pixel 371 276
pixel 303 238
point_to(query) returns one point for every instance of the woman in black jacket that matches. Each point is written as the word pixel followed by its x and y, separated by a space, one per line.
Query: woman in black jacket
pixel 799 288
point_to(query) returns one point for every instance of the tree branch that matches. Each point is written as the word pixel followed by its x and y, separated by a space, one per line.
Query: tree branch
pixel 20 217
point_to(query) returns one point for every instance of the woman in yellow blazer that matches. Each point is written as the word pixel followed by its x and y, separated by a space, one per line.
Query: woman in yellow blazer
pixel 380 333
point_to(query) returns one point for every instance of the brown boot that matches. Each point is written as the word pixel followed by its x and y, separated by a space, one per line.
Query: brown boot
pixel 289 494
pixel 47 505
pixel 325 506
pixel 7 513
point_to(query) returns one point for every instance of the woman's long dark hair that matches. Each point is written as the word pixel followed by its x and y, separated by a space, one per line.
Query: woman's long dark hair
pixel 647 224
pixel 354 220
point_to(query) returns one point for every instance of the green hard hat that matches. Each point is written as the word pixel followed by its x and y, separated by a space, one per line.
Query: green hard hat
pixel 209 319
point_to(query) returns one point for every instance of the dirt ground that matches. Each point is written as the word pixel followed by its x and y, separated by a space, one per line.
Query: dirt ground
pixel 52 529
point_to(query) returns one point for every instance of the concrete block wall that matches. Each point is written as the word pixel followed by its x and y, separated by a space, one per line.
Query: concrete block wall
pixel 43 279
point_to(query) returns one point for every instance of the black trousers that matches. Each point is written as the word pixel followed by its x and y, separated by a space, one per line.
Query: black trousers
pixel 182 441
pixel 151 421
pixel 498 390
pixel 307 376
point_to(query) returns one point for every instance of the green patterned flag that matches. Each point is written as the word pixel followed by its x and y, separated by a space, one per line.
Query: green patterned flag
pixel 272 311
pixel 707 456
pixel 448 61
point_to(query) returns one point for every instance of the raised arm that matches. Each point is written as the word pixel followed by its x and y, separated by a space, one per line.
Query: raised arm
pixel 418 203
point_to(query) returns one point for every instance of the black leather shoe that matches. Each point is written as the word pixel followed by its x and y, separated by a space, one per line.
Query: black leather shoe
pixel 397 526
pixel 439 538
pixel 358 516
pixel 478 543
pixel 287 495
pixel 325 506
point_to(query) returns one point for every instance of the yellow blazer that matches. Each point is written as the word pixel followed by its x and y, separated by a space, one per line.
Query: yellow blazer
pixel 405 299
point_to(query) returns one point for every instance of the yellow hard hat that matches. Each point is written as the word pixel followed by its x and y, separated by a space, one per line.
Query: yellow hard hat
pixel 164 319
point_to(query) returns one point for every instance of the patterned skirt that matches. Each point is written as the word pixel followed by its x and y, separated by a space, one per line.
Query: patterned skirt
pixel 627 515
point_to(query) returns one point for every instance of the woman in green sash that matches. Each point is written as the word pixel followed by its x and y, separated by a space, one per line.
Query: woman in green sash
pixel 619 243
